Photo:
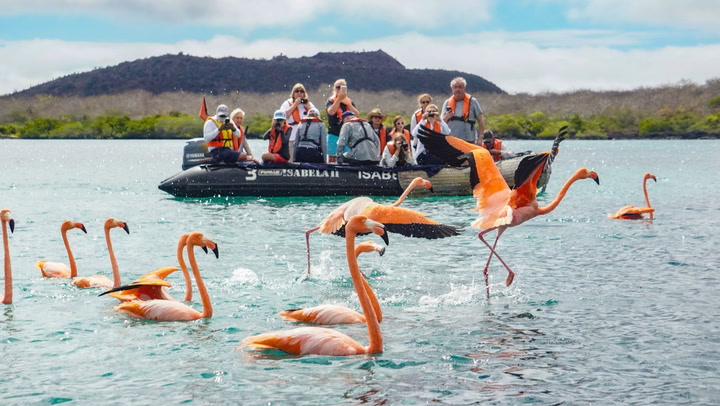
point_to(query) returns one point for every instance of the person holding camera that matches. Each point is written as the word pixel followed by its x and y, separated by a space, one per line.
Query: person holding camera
pixel 463 113
pixel 431 119
pixel 398 151
pixel 220 134
pixel 296 108
pixel 279 137
pixel 424 101
pixel 335 106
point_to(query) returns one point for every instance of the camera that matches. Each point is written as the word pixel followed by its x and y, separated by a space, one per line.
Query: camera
pixel 303 101
pixel 344 88
pixel 432 114
pixel 227 121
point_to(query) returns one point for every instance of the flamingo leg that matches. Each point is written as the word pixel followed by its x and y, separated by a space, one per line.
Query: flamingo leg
pixel 511 274
pixel 307 244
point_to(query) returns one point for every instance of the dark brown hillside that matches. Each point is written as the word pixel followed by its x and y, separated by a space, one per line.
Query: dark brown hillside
pixel 372 71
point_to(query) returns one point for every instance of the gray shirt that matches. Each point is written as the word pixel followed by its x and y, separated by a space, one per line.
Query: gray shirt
pixel 351 135
pixel 463 129
pixel 316 136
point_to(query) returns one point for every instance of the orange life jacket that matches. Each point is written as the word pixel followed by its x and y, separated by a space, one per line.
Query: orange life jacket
pixel 418 116
pixel 466 107
pixel 295 114
pixel 435 127
pixel 406 133
pixel 496 145
pixel 237 142
pixel 223 139
pixel 383 135
pixel 276 141
pixel 341 108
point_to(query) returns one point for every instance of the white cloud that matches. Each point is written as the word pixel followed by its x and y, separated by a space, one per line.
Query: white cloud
pixel 690 14
pixel 529 62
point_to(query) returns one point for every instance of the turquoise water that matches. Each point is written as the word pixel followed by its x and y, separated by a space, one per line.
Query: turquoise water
pixel 601 311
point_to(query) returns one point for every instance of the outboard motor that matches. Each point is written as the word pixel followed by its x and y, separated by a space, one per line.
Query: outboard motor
pixel 195 153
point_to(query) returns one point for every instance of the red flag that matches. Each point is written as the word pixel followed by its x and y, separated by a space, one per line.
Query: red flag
pixel 203 110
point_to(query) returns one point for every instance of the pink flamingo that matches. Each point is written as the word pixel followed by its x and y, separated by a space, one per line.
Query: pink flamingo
pixel 636 212
pixel 396 219
pixel 500 207
pixel 169 310
pixel 6 219
pixel 325 341
pixel 56 269
pixel 100 281
pixel 334 314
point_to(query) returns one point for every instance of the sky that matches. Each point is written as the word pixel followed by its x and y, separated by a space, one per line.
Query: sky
pixel 523 46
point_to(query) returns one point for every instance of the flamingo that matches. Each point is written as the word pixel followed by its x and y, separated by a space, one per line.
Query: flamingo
pixel 636 212
pixel 56 269
pixel 500 207
pixel 6 219
pixel 100 281
pixel 169 310
pixel 334 314
pixel 325 341
pixel 396 219
pixel 153 285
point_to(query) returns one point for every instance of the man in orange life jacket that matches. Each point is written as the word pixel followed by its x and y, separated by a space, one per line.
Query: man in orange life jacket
pixel 279 137
pixel 218 133
pixel 497 149
pixel 463 113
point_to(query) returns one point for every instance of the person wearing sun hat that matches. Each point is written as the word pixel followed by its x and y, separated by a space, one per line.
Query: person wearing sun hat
pixel 219 132
pixel 359 137
pixel 375 117
pixel 279 137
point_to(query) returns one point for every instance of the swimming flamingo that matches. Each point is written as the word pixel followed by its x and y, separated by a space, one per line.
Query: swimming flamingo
pixel 169 310
pixel 396 219
pixel 334 314
pixel 56 269
pixel 325 341
pixel 500 207
pixel 153 285
pixel 636 212
pixel 100 281
pixel 6 219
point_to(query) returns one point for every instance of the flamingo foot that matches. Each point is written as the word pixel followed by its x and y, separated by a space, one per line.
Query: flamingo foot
pixel 510 278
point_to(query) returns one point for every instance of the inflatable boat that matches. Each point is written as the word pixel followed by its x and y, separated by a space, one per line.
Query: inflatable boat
pixel 203 178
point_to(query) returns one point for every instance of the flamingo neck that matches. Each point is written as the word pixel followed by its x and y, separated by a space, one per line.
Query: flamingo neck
pixel 113 261
pixel 7 297
pixel 404 195
pixel 205 297
pixel 550 207
pixel 183 266
pixel 71 258
pixel 376 341
pixel 647 199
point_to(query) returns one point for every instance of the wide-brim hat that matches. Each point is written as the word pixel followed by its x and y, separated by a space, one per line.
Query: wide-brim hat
pixel 374 113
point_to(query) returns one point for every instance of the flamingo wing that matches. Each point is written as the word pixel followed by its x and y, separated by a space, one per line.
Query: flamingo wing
pixel 53 269
pixel 449 149
pixel 335 220
pixel 160 310
pixel 409 223
pixel 631 212
pixel 95 281
pixel 323 315
pixel 306 340
pixel 148 287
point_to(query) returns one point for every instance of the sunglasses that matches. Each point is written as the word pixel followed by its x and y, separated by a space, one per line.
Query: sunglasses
pixel 424 102
pixel 431 111
pixel 399 123
pixel 299 91
pixel 375 117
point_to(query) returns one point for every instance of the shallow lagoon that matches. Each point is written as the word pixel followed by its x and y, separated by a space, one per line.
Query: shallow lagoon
pixel 601 311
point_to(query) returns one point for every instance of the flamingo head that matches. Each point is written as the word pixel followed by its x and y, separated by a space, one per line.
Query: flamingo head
pixel 6 217
pixel 649 176
pixel 69 225
pixel 370 246
pixel 584 173
pixel 112 223
pixel 362 224
pixel 417 182
pixel 203 242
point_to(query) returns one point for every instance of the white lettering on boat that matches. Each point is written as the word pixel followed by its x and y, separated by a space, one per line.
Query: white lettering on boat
pixel 252 175
pixel 270 172
pixel 377 175
pixel 310 173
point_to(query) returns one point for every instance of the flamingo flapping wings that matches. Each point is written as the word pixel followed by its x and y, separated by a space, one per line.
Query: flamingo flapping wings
pixel 101 281
pixel 499 206
pixel 396 219
pixel 334 314
pixel 170 310
pixel 57 269
pixel 637 212
pixel 325 341
pixel 7 220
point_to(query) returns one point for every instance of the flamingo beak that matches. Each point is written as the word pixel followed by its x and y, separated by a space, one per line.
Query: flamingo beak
pixel 82 227
pixel 204 248
pixel 597 179
pixel 12 225
pixel 125 227
pixel 216 251
pixel 382 251
pixel 385 238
